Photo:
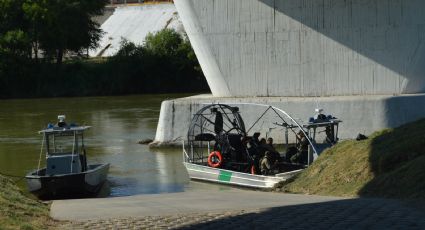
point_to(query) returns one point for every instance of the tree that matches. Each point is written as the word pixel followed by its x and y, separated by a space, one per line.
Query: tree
pixel 13 35
pixel 55 26
pixel 165 42
pixel 35 12
pixel 68 26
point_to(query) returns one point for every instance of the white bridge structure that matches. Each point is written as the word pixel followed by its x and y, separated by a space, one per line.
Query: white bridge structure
pixel 360 60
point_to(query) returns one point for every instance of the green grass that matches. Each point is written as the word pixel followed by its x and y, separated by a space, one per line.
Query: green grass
pixel 391 163
pixel 17 211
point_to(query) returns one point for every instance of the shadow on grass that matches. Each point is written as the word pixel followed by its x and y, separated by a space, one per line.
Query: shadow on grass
pixel 397 161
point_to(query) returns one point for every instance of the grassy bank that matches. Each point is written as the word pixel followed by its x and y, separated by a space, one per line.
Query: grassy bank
pixel 17 211
pixel 388 164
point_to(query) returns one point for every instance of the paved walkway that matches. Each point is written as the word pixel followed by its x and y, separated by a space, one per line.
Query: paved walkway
pixel 236 209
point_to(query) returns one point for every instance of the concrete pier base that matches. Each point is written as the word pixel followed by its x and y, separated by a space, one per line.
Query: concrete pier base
pixel 360 114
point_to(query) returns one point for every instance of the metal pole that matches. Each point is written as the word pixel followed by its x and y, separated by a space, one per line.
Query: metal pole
pixel 72 153
pixel 54 143
pixel 184 155
pixel 209 150
pixel 191 149
pixel 287 138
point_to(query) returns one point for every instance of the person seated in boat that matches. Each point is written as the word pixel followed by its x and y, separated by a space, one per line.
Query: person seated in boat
pixel 303 143
pixel 264 146
pixel 270 143
pixel 272 149
pixel 267 164
pixel 329 135
pixel 255 139
pixel 302 147
pixel 261 148
pixel 249 149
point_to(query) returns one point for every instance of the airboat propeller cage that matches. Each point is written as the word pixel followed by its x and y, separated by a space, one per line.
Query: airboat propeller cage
pixel 214 119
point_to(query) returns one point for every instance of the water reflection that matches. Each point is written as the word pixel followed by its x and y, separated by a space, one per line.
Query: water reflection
pixel 154 172
pixel 118 123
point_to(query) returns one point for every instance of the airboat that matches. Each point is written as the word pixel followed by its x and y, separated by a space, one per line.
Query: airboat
pixel 221 149
pixel 67 174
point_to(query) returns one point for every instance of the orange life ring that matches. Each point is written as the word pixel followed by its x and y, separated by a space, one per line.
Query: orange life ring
pixel 215 159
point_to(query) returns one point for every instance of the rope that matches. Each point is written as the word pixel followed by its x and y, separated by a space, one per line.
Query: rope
pixel 13 176
pixel 8 175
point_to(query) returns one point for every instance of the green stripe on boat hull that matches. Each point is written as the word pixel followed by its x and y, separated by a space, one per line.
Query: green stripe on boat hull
pixel 225 176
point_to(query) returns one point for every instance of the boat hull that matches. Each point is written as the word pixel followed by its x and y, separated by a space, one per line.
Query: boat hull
pixel 84 184
pixel 205 173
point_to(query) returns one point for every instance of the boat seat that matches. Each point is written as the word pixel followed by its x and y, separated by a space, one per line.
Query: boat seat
pixel 61 164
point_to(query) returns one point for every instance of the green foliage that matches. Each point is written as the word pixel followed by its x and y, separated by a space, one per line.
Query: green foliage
pixel 14 43
pixel 133 70
pixel 166 63
pixel 54 26
pixel 68 26
pixel 388 164
pixel 165 43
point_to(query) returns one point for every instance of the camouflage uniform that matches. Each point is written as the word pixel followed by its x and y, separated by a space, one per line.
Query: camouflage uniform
pixel 302 147
pixel 266 165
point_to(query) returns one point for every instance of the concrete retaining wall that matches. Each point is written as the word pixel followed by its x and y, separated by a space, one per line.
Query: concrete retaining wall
pixel 360 114
pixel 133 23
pixel 309 47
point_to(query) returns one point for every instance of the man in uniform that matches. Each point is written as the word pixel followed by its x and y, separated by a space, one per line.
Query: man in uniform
pixel 266 164
pixel 302 147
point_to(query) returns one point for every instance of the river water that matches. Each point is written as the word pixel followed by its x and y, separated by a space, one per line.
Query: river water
pixel 118 123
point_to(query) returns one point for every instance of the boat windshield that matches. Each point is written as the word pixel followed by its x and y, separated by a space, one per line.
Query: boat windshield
pixel 64 143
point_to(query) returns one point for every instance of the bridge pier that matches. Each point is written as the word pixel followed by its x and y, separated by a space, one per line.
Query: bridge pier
pixel 364 61
pixel 360 114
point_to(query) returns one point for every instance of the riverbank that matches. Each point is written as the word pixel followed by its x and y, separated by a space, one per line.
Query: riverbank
pixel 388 164
pixel 223 208
pixel 118 113
pixel 17 211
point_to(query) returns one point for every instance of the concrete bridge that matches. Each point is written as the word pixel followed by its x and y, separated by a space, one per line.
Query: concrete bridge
pixel 308 48
pixel 363 61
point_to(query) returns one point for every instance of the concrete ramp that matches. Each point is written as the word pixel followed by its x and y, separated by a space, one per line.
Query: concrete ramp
pixel 176 203
pixel 133 23
pixel 237 209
